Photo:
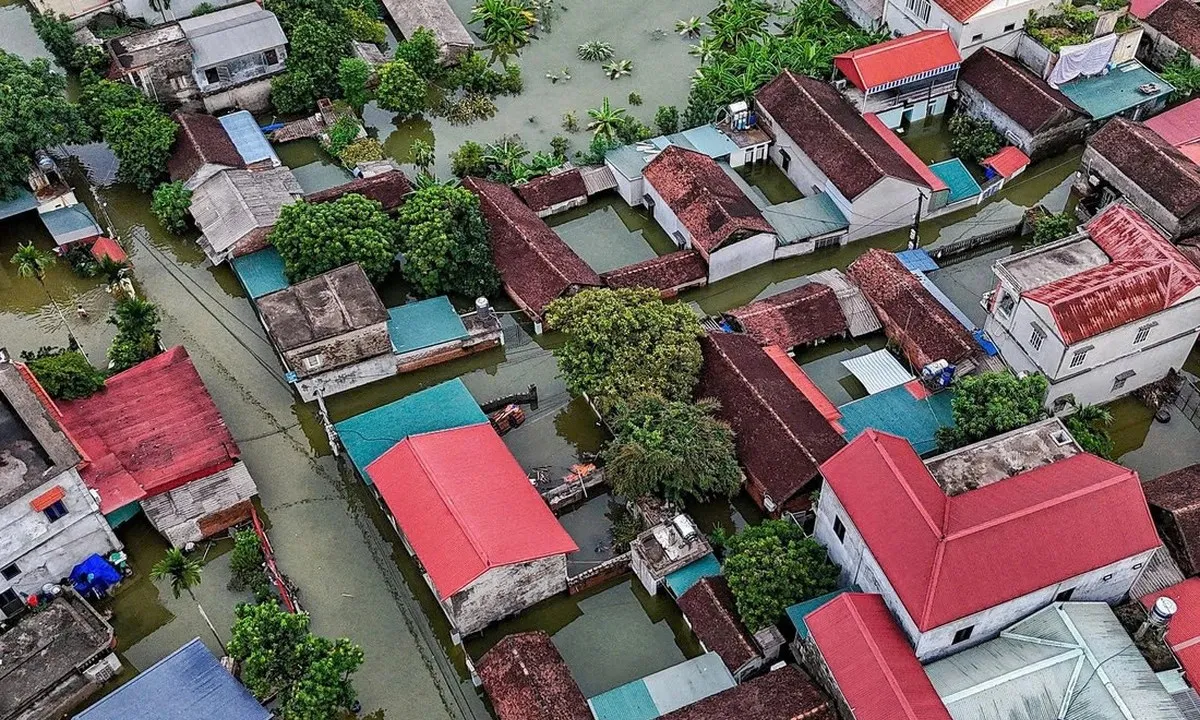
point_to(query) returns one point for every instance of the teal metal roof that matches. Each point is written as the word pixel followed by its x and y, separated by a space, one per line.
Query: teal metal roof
pixel 630 159
pixel 957 178
pixel 630 701
pixel 896 411
pixel 710 141
pixel 441 407
pixel 261 272
pixel 685 577
pixel 665 691
pixel 808 217
pixel 70 224
pixel 1103 96
pixel 424 324
pixel 22 201
pixel 797 612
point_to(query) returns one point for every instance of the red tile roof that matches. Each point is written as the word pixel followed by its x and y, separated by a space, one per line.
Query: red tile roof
pixel 388 189
pixel 1008 162
pixel 806 386
pixel 547 191
pixel 1148 274
pixel 1180 21
pixel 871 662
pixel 781 438
pixel 535 264
pixel 109 248
pixel 527 679
pixel 465 513
pixel 911 316
pixel 707 202
pixel 665 273
pixel 1016 92
pixel 783 694
pixel 951 557
pixel 1151 162
pixel 832 134
pixel 797 317
pixel 1175 505
pixel 202 139
pixel 152 429
pixel 1183 634
pixel 1178 126
pixel 712 614
pixel 899 58
pixel 963 10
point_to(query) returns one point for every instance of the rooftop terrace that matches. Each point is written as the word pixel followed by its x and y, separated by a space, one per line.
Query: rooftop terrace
pixel 1103 96
pixel 1039 266
pixel 1002 457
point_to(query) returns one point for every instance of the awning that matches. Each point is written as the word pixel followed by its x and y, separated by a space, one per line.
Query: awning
pixel 48 498
pixel 878 371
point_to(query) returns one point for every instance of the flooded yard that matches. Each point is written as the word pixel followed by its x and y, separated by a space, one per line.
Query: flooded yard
pixel 609 234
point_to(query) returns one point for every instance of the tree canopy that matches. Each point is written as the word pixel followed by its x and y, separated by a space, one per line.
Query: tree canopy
pixel 991 403
pixel 400 88
pixel 64 374
pixel 137 333
pixel 313 238
pixel 141 138
pixel 973 138
pixel 445 243
pixel 772 566
pixel 674 450
pixel 1089 426
pixel 34 115
pixel 622 342
pixel 170 205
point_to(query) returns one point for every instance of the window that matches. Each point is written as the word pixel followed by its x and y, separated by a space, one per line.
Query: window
pixel 1143 333
pixel 1037 337
pixel 1064 595
pixel 10 603
pixel 649 202
pixel 1078 358
pixel 55 511
pixel 313 362
pixel 919 8
pixel 1119 381
pixel 839 529
pixel 271 57
pixel 977 38
pixel 10 572
pixel 1107 577
pixel 784 159
pixel 964 634
pixel 1010 27
pixel 1006 305
pixel 212 76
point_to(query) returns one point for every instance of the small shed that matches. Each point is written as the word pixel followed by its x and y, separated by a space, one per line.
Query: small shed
pixel 389 189
pixel 666 548
pixel 806 314
pixel 783 694
pixel 554 193
pixel 248 138
pixel 526 679
pixel 710 610
pixel 1174 501
pixel 665 691
pixel 451 35
pixel 70 224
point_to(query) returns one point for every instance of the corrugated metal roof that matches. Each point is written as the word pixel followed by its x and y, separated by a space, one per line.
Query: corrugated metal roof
pixel 685 577
pixel 248 138
pixel 957 178
pixel 899 59
pixel 69 224
pixel 598 179
pixel 945 301
pixel 21 201
pixel 917 259
pixel 664 691
pixel 799 611
pixel 261 272
pixel 225 35
pixel 424 324
pixel 878 371
pixel 805 218
pixel 860 318
pixel 897 411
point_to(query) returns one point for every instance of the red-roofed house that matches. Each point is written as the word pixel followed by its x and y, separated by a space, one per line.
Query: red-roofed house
pixel 1006 164
pixel 964 544
pixel 803 315
pixel 702 209
pixel 972 24
pixel 488 544
pixel 153 438
pixel 902 80
pixel 861 656
pixel 1180 127
pixel 1171 27
pixel 1183 634
pixel 1100 314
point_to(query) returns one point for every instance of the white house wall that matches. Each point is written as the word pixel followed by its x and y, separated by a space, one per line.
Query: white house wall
pixel 630 190
pixel 991 23
pixel 665 216
pixel 885 206
pixel 506 590
pixel 741 255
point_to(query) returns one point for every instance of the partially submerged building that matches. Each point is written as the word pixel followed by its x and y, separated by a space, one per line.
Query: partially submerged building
pixel 452 37
pixel 962 545
pixel 526 679
pixel 49 521
pixel 710 611
pixel 903 80
pixel 1100 313
pixel 236 209
pixel 658 553
pixel 1172 27
pixel 781 437
pixel 670 274
pixel 556 192
pixel 202 148
pixel 1174 501
pixel 389 189
pixel 783 694
pixel 806 314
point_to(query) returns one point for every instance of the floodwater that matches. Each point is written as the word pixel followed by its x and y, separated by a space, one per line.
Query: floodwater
pixel 608 234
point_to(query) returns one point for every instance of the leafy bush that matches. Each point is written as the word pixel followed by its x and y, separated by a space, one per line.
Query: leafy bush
pixel 64 374
pixel 56 34
pixel 559 147
pixel 507 24
pixel 1065 25
pixel 203 8
pixel 973 138
pixel 319 38
pixel 137 337
pixel 634 99
pixel 1048 228
pixel 468 159
pixel 363 150
pixel 363 27
pixel 141 137
pixel 421 53
pixel 445 244
pixel 313 238
pixel 170 205
pixel 992 403
pixel 343 132
pixel 1182 75
pixel 1089 426
pixel 400 89
pixel 246 564
pixel 667 119
pixel 595 51
pixel 353 77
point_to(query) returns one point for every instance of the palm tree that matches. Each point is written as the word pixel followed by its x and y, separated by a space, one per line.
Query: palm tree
pixel 32 262
pixel 508 155
pixel 1093 415
pixel 606 120
pixel 184 574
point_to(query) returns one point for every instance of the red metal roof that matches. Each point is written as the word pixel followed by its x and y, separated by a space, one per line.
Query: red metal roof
pixel 898 59
pixel 107 247
pixel 1008 162
pixel 871 661
pixel 1178 126
pixel 906 154
pixel 1148 274
pixel 1183 634
pixel 805 385
pixel 950 557
pixel 152 429
pixel 465 505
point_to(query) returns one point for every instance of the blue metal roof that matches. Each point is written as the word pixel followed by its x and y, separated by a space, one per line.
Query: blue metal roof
pixel 424 324
pixel 685 577
pixel 917 260
pixel 710 141
pixel 630 159
pixel 664 691
pixel 805 218
pixel 70 224
pixel 261 272
pixel 22 201
pixel 188 684
pixel 957 178
pixel 797 612
pixel 1115 92
pixel 896 411
pixel 248 138
pixel 441 407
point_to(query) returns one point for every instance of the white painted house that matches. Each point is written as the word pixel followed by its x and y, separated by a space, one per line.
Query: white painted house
pixel 964 544
pixel 972 23
pixel 1101 313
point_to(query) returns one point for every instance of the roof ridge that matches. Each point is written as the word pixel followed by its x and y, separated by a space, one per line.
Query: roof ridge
pixel 939 532
pixel 836 124
pixel 729 618
pixel 1027 79
pixel 532 245
pixel 877 654
pixel 458 518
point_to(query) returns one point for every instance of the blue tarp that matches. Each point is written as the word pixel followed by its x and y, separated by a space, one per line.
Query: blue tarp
pixel 188 684
pixel 94 574
pixel 916 260
pixel 685 577
pixel 988 346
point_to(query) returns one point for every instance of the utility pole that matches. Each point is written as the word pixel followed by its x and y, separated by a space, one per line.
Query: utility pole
pixel 914 238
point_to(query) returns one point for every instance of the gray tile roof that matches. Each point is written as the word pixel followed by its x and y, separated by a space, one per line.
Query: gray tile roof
pixel 227 34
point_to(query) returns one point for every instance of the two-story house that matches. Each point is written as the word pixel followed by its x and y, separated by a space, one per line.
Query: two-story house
pixel 1100 313
pixel 964 544
pixel 902 80
pixel 972 24
pixel 49 520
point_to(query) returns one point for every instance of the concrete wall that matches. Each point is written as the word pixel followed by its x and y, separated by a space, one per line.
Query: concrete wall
pixel 340 350
pixel 747 155
pixel 665 216
pixel 1050 142
pixel 741 255
pixel 858 15
pixel 1096 164
pixel 921 109
pixel 1108 584
pixel 47 551
pixel 629 190
pixel 1159 50
pixel 347 378
pixel 885 206
pixel 997 26
pixel 505 591
pixel 254 96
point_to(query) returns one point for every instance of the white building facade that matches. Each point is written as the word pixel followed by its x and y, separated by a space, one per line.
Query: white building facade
pixel 997 24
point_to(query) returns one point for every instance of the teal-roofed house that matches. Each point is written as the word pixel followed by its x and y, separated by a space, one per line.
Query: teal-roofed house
pixel 807 223
pixel 428 332
pixel 1129 89
pixel 261 273
pixel 665 691
pixel 671 547
pixel 962 187
pixel 906 410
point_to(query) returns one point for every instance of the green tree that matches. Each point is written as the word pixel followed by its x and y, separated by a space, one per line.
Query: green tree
pixel 422 155
pixel 66 374
pixel 343 132
pixel 1048 228
pixel 353 77
pixel 444 241
pixel 772 566
pixel 421 53
pixel 101 96
pixel 362 150
pixel 674 450
pixel 667 119
pixel 973 138
pixel 170 205
pixel 137 337
pixel 992 403
pixel 1089 426
pixel 34 115
pixel 246 564
pixel 468 159
pixel 317 46
pixel 56 34
pixel 364 27
pixel 278 654
pixel 183 574
pixel 400 89
pixel 606 120
pixel 141 137
pixel 314 238
pixel 32 262
pixel 626 341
